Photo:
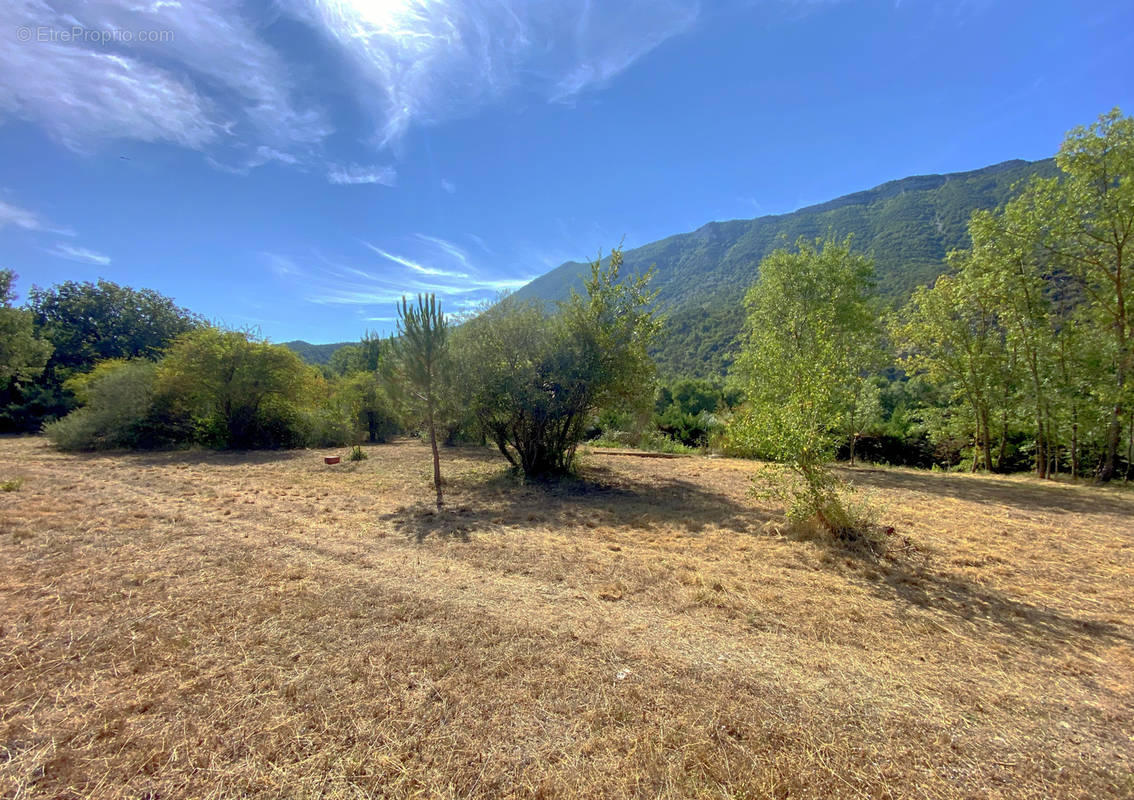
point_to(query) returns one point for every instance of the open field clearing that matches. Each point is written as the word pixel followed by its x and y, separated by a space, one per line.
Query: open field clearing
pixel 194 624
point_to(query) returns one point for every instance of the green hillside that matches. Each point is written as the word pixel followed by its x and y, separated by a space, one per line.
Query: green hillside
pixel 908 226
pixel 317 354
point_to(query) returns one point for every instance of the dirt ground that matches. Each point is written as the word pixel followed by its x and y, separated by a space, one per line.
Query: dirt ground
pixel 195 624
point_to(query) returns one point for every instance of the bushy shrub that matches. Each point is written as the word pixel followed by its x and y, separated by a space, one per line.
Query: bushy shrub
pixel 240 392
pixel 118 410
pixel 357 454
pixel 328 426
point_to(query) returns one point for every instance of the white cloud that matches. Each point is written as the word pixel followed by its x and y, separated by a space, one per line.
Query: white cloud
pixel 353 174
pixel 16 217
pixel 448 248
pixel 423 63
pixel 209 81
pixel 442 269
pixel 80 254
pixel 415 266
pixel 282 266
pixel 448 186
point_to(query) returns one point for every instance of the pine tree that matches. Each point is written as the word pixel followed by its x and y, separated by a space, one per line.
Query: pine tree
pixel 423 347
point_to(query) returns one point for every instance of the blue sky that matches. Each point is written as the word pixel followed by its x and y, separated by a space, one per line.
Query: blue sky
pixel 296 166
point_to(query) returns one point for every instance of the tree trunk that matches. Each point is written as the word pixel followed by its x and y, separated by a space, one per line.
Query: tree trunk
pixel 1003 438
pixel 1075 450
pixel 436 455
pixel 986 443
pixel 853 440
pixel 1114 429
pixel 1113 433
pixel 1130 448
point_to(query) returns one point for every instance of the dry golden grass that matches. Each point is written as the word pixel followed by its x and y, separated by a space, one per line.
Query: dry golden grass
pixel 223 625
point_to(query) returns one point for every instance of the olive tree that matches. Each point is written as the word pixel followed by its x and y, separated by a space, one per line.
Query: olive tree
pixel 534 378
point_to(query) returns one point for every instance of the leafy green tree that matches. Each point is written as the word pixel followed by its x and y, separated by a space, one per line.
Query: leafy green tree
pixel 688 410
pixel 92 322
pixel 1087 218
pixel 86 323
pixel 864 410
pixel 240 392
pixel 533 379
pixel 23 354
pixel 368 355
pixel 810 328
pixel 423 355
pixel 366 385
pixel 950 333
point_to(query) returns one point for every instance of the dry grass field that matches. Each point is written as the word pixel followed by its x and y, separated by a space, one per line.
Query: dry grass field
pixel 191 624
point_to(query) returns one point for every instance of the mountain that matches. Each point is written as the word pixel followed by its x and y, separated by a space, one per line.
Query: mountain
pixel 908 225
pixel 317 354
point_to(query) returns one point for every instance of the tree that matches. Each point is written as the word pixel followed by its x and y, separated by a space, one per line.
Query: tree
pixel 950 333
pixel 366 384
pixel 1089 228
pixel 239 391
pixel 423 350
pixel 534 379
pixel 810 328
pixel 23 354
pixel 92 322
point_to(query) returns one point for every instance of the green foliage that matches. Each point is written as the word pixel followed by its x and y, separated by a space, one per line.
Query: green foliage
pixel 23 354
pixel 239 392
pixel 689 410
pixel 11 485
pixel 118 410
pixel 85 323
pixel 1090 234
pixel 357 454
pixel 92 322
pixel 534 380
pixel 367 392
pixel 1030 334
pixel 949 333
pixel 367 355
pixel 810 334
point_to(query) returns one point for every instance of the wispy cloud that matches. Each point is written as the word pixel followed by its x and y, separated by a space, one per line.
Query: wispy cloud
pixel 423 63
pixel 194 74
pixel 448 186
pixel 436 266
pixel 202 75
pixel 421 269
pixel 80 254
pixel 16 217
pixel 353 174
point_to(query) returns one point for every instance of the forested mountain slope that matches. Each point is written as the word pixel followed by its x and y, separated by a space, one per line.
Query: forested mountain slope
pixel 317 354
pixel 908 226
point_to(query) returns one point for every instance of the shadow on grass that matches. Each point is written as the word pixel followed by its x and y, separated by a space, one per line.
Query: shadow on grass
pixel 596 497
pixel 421 522
pixel 999 491
pixel 916 584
